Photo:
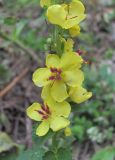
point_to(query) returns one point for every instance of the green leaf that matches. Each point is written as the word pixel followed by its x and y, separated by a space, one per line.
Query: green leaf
pixel 64 154
pixel 79 131
pixel 18 29
pixel 107 153
pixel 61 154
pixel 8 156
pixel 49 156
pixel 6 142
pixel 36 153
pixel 10 20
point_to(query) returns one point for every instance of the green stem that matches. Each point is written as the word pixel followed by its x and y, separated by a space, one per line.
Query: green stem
pixel 56 38
pixel 57 44
pixel 54 146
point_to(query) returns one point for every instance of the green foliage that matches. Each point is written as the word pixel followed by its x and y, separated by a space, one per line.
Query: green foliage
pixel 49 156
pixel 95 118
pixel 107 3
pixel 61 154
pixel 64 154
pixel 19 4
pixel 79 132
pixel 25 30
pixel 32 154
pixel 18 29
pixel 9 20
pixel 107 153
pixel 46 152
pixel 109 53
pixel 8 156
pixel 37 151
pixel 82 124
pixel 8 148
pixel 32 40
pixel 6 142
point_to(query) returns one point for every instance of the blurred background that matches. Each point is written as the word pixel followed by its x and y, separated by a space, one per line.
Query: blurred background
pixel 23 38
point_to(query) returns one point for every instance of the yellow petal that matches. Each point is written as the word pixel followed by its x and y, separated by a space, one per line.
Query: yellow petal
pixel 67 131
pixel 46 92
pixel 71 60
pixel 72 22
pixel 75 14
pixel 68 15
pixel 59 108
pixel 77 4
pixel 59 91
pixel 79 94
pixel 74 31
pixel 32 112
pixel 59 123
pixel 68 45
pixel 56 14
pixel 63 109
pixel 73 77
pixel 52 60
pixel 40 77
pixel 43 128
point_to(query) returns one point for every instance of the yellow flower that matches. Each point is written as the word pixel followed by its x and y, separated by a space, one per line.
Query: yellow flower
pixel 45 3
pixel 79 94
pixel 66 15
pixel 74 31
pixel 59 74
pixel 68 45
pixel 52 115
pixel 67 131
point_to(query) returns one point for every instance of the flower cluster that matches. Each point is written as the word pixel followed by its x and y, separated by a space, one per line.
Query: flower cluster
pixel 62 77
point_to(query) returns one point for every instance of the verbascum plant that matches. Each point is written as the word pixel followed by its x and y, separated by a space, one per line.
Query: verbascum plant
pixel 62 77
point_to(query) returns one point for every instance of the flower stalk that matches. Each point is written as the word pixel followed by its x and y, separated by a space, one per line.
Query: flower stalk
pixel 62 78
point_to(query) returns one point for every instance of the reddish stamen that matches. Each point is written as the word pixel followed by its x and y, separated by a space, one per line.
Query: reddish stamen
pixel 47 110
pixel 44 117
pixel 44 112
pixel 53 69
pixel 80 52
pixel 40 112
pixel 58 77
pixel 43 108
pixel 59 71
pixel 55 74
pixel 52 78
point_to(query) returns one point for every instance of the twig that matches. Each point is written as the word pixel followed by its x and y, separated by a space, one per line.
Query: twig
pixel 15 132
pixel 85 150
pixel 22 46
pixel 29 132
pixel 14 82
